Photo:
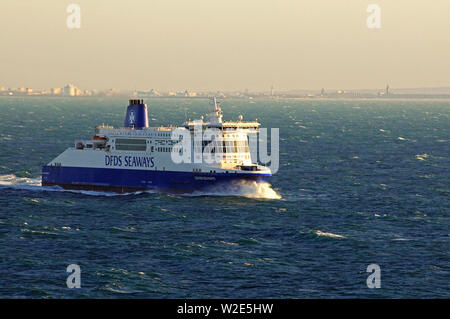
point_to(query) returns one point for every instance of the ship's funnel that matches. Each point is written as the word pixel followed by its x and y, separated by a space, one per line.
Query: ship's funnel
pixel 137 116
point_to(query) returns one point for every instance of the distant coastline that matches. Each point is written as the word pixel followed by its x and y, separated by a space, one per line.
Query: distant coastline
pixel 70 90
pixel 257 98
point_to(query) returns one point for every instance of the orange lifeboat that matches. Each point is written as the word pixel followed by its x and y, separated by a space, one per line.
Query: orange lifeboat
pixel 98 138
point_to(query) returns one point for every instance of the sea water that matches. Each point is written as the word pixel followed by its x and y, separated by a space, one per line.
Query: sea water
pixel 360 182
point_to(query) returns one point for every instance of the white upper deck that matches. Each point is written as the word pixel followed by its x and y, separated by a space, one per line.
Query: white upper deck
pixel 214 120
pixel 230 146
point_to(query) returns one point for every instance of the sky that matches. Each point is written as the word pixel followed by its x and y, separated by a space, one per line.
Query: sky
pixel 225 44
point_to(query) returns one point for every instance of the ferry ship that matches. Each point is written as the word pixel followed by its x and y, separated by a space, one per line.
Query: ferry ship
pixel 137 157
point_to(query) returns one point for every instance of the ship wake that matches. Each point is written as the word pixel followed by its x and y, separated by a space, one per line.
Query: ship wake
pixel 13 181
pixel 34 184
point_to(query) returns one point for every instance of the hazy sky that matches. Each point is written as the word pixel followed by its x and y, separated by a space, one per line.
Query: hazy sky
pixel 225 44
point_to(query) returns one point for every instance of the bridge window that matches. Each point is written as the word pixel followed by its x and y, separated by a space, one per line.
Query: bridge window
pixel 131 144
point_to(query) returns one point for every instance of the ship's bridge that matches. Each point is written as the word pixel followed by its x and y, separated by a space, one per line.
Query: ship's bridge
pixel 247 126
pixel 214 120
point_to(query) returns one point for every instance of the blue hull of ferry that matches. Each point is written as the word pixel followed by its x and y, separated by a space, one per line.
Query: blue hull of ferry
pixel 129 180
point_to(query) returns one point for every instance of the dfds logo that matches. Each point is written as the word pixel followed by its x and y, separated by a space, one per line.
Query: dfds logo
pixel 113 160
pixel 129 161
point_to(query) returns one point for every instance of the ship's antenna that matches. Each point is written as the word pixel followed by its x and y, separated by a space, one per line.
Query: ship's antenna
pixel 215 104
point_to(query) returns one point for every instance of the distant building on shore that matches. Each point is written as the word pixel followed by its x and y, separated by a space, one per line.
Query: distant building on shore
pixel 150 93
pixel 56 91
pixel 190 94
pixel 69 90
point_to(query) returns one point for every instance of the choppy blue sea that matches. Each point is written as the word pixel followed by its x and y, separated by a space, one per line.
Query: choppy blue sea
pixel 361 182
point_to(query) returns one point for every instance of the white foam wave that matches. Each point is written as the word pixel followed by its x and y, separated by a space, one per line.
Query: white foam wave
pixel 249 189
pixel 13 181
pixel 34 184
pixel 331 235
pixel 422 157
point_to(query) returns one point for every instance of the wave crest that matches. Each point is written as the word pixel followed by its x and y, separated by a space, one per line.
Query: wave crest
pixel 14 181
pixel 249 189
pixel 330 235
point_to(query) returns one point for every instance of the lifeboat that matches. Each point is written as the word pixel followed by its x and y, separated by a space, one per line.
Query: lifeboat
pixel 98 138
pixel 80 146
